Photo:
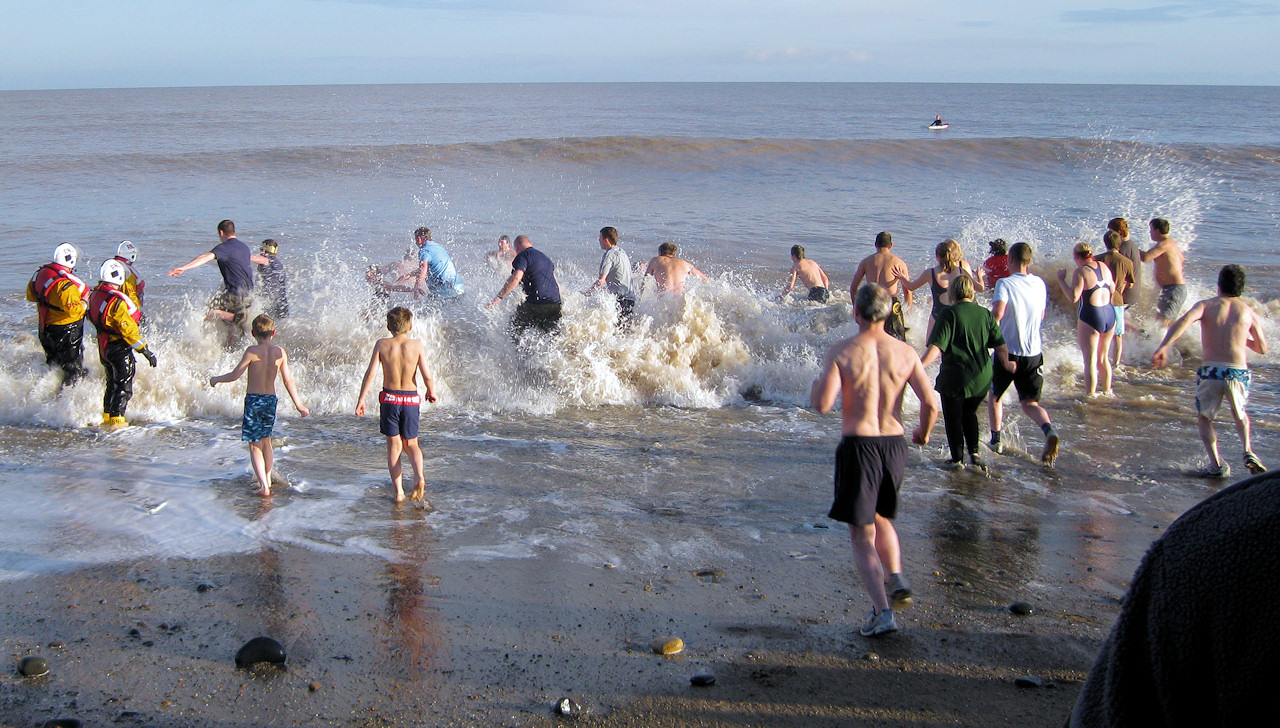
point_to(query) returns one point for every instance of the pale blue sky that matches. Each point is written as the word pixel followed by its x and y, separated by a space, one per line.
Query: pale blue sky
pixel 75 44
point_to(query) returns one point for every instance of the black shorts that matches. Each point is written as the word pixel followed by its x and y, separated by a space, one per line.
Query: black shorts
pixel 1027 380
pixel 819 294
pixel 896 324
pixel 869 474
pixel 542 316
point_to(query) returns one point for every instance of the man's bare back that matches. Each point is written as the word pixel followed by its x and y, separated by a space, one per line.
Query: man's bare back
pixel 1229 329
pixel 670 272
pixel 810 275
pixel 1168 257
pixel 882 267
pixel 871 371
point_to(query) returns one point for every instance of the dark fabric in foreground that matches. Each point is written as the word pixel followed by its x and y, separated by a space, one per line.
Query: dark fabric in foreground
pixel 1196 642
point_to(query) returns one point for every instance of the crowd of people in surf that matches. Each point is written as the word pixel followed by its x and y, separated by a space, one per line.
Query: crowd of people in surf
pixel 982 351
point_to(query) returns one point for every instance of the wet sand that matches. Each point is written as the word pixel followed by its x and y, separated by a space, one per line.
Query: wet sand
pixel 430 642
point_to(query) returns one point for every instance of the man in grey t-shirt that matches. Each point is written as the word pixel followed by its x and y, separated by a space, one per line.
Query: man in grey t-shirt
pixel 615 271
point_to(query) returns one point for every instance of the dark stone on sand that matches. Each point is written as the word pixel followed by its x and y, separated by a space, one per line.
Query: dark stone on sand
pixel 61 723
pixel 1021 608
pixel 703 680
pixel 711 575
pixel 202 588
pixel 313 687
pixel 567 707
pixel 1029 681
pixel 134 632
pixel 260 649
pixel 871 656
pixel 33 666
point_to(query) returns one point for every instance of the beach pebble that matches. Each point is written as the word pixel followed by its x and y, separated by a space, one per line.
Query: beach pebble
pixel 61 723
pixel 567 707
pixel 205 587
pixel 667 645
pixel 260 649
pixel 313 686
pixel 1028 681
pixel 33 666
pixel 703 680
pixel 871 656
pixel 710 575
pixel 1021 608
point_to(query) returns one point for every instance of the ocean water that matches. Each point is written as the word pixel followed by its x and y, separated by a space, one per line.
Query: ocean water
pixel 685 437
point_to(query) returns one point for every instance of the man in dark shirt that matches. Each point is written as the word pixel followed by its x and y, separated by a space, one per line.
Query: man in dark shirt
pixel 535 273
pixel 235 263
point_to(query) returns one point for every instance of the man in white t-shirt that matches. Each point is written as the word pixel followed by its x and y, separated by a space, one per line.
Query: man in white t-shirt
pixel 1018 306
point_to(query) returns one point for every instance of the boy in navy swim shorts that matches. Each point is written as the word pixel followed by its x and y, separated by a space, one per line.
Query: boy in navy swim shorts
pixel 402 359
pixel 263 361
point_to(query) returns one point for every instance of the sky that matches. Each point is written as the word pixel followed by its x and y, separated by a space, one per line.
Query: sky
pixel 57 44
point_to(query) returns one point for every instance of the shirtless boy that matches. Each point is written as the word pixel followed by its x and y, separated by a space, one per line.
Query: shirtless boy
pixel 1229 328
pixel 871 372
pixel 886 269
pixel 669 271
pixel 810 275
pixel 1168 258
pixel 402 360
pixel 264 361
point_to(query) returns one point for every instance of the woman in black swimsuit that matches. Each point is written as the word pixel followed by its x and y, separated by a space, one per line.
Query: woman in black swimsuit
pixel 951 265
pixel 1090 285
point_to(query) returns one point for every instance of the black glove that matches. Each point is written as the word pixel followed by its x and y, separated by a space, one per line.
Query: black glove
pixel 151 358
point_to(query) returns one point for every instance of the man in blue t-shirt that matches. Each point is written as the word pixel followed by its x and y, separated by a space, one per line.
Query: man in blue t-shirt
pixel 535 273
pixel 435 268
pixel 235 263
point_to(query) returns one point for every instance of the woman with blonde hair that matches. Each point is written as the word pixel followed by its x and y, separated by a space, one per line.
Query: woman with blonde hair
pixel 951 265
pixel 1090 286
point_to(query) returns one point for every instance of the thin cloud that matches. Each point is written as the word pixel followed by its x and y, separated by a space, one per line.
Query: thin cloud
pixel 806 55
pixel 1170 13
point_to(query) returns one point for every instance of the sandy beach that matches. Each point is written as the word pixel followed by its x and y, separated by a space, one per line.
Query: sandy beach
pixel 372 643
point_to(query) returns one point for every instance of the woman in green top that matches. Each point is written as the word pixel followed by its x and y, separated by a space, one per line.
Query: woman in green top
pixel 963 337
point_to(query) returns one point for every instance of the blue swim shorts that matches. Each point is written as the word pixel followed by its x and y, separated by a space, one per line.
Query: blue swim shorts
pixel 398 413
pixel 259 417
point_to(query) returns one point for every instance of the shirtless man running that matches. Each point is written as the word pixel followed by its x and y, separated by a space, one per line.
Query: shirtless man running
pixel 1229 328
pixel 871 372
pixel 669 271
pixel 810 275
pixel 1168 258
pixel 886 269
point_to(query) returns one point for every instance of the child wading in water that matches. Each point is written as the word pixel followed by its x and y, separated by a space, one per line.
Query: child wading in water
pixel 264 361
pixel 402 359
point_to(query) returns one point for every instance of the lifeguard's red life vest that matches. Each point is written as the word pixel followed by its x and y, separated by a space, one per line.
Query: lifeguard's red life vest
pixel 45 279
pixel 100 301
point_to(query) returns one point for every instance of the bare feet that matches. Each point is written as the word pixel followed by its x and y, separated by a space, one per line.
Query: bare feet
pixel 399 493
pixel 419 490
pixel 264 491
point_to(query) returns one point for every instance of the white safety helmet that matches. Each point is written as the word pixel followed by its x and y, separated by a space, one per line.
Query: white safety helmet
pixel 66 254
pixel 127 250
pixel 113 271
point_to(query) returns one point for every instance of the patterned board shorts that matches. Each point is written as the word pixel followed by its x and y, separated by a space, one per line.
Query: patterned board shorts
pixel 259 417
